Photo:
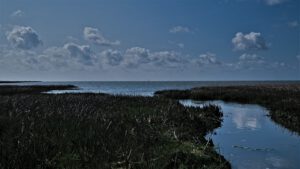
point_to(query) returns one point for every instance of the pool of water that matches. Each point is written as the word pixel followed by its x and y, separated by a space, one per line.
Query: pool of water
pixel 249 139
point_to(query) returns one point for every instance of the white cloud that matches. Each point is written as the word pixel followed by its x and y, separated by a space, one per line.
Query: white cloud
pixel 298 57
pixel 248 60
pixel 250 57
pixel 178 29
pixel 54 58
pixel 14 59
pixel 135 56
pixel 95 36
pixel 68 57
pixel 253 61
pixel 72 56
pixel 111 57
pixel 81 52
pixel 207 59
pixel 274 2
pixel 251 41
pixel 293 24
pixel 166 58
pixel 17 13
pixel 23 37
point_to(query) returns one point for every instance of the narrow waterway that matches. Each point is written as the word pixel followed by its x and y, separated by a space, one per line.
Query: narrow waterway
pixel 249 139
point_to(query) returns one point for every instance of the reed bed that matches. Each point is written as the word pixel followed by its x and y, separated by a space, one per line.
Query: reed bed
pixel 45 131
pixel 283 101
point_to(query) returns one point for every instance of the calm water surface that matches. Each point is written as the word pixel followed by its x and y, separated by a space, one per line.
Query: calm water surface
pixel 251 140
pixel 144 88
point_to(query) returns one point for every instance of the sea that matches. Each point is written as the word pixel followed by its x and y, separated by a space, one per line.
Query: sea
pixel 142 88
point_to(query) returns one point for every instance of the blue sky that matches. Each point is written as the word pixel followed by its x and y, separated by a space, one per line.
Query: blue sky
pixel 150 40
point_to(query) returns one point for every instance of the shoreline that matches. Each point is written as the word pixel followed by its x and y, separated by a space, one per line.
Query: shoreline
pixel 283 101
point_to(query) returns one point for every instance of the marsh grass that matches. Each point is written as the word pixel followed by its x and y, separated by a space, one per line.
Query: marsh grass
pixel 17 81
pixel 12 89
pixel 283 101
pixel 104 131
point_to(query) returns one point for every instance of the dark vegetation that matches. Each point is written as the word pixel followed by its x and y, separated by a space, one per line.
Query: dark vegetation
pixel 12 90
pixel 45 131
pixel 16 81
pixel 283 101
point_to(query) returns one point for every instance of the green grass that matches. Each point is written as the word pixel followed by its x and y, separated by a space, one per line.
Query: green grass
pixel 283 101
pixel 45 131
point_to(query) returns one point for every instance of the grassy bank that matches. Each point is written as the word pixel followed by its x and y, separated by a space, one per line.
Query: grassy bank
pixel 283 101
pixel 103 131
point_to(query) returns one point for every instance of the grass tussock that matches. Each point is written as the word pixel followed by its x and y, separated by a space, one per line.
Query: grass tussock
pixel 103 131
pixel 283 101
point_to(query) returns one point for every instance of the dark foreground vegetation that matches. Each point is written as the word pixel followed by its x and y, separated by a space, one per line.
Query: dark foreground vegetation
pixel 16 81
pixel 17 90
pixel 283 101
pixel 43 131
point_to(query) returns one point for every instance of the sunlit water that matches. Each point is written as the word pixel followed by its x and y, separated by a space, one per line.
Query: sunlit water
pixel 249 139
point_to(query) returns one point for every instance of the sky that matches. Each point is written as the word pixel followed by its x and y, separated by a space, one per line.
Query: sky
pixel 119 40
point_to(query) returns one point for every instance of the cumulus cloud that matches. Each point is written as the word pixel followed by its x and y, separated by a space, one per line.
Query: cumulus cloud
pixel 69 56
pixel 51 59
pixel 83 53
pixel 251 41
pixel 111 57
pixel 95 36
pixel 166 58
pixel 12 60
pixel 135 56
pixel 57 58
pixel 179 29
pixel 274 2
pixel 17 13
pixel 207 59
pixel 23 37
